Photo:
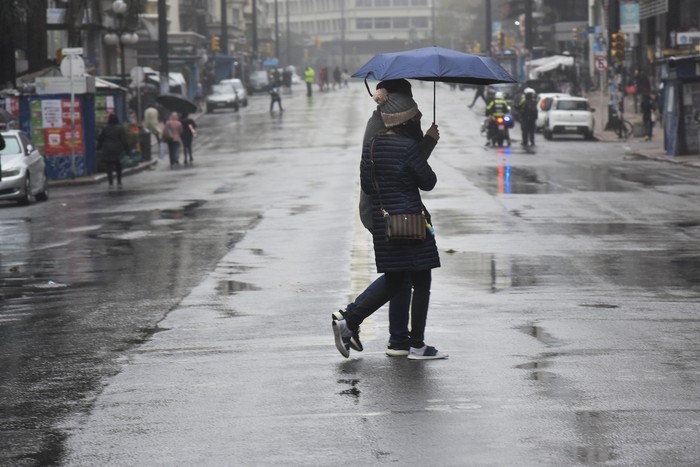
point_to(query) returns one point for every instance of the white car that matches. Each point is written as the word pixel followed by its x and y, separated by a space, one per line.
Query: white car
pixel 239 88
pixel 222 96
pixel 23 170
pixel 544 102
pixel 569 115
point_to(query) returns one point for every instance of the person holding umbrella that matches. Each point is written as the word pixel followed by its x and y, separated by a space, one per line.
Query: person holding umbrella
pixel 399 334
pixel 395 158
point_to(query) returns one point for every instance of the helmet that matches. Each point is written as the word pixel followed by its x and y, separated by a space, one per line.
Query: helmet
pixel 529 91
pixel 499 95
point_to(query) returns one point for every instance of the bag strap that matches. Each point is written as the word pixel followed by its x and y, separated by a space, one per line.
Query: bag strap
pixel 374 180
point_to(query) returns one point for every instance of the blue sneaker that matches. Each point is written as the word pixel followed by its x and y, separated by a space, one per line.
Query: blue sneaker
pixel 355 343
pixel 425 353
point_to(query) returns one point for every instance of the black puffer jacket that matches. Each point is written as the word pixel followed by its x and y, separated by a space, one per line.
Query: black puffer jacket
pixel 401 170
pixel 112 142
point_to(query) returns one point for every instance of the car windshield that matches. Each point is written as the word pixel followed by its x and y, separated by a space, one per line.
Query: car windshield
pixel 572 105
pixel 11 146
pixel 222 89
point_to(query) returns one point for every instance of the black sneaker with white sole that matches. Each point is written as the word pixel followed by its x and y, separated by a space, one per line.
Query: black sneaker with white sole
pixel 355 343
pixel 342 337
pixel 398 349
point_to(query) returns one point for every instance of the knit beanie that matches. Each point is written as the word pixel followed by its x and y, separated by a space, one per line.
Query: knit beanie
pixel 396 85
pixel 395 108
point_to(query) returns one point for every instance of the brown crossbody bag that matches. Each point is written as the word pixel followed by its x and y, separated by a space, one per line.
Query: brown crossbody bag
pixel 399 228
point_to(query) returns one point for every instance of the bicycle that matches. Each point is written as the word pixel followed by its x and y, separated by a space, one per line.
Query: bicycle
pixel 623 128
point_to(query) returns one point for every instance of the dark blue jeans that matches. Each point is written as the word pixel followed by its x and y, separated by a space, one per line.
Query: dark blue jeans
pixel 398 307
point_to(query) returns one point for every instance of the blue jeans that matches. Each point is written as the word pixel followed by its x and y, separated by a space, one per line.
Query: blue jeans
pixel 174 151
pixel 398 307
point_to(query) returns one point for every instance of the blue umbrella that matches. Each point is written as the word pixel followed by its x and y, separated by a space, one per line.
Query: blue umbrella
pixel 434 64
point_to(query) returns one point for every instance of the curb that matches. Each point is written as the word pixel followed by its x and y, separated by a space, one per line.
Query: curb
pixel 101 177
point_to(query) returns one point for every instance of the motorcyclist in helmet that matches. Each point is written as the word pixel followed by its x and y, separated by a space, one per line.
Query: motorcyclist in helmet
pixel 498 107
pixel 527 109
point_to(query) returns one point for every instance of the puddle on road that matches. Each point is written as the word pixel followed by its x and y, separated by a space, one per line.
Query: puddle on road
pixel 233 287
pixel 540 334
pixel 352 392
pixel 508 179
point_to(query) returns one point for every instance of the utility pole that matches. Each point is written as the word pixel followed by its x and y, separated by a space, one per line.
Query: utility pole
pixel 277 33
pixel 528 26
pixel 487 43
pixel 163 47
pixel 224 28
pixel 255 29
pixel 289 35
pixel 342 34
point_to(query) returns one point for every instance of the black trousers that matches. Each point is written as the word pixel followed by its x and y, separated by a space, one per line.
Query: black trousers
pixel 113 166
pixel 378 296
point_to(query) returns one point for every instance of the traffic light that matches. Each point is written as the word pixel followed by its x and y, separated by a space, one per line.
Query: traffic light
pixel 215 44
pixel 501 39
pixel 617 44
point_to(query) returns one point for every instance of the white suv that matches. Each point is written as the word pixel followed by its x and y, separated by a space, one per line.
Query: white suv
pixel 571 115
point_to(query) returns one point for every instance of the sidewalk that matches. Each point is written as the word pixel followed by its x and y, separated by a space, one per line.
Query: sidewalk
pixel 653 149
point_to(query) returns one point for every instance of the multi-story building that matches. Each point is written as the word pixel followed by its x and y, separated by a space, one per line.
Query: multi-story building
pixel 347 33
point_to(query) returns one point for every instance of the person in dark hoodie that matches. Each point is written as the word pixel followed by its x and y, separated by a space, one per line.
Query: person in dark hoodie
pixel 113 143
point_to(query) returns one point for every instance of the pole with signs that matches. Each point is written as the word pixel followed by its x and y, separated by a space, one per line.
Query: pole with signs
pixel 72 66
pixel 601 64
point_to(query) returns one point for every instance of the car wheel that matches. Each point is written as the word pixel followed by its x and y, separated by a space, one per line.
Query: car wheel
pixel 44 194
pixel 28 197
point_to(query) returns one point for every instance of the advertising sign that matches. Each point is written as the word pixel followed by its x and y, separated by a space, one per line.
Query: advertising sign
pixel 629 17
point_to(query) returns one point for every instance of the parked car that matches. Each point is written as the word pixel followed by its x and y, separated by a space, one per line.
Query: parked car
pixel 258 81
pixel 571 115
pixel 240 90
pixel 23 169
pixel 222 96
pixel 544 102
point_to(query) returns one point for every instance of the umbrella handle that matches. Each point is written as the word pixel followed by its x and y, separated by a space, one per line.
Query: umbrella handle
pixel 367 86
pixel 434 84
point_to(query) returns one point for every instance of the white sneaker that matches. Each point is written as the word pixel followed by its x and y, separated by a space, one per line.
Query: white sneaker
pixel 425 353
pixel 342 337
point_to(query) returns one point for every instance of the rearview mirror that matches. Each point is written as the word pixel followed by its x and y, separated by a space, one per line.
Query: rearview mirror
pixel 30 149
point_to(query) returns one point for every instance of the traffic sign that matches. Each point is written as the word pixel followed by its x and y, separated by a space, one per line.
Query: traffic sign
pixel 601 63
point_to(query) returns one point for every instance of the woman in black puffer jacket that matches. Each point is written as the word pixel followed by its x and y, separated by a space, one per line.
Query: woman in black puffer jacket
pixel 397 161
pixel 113 143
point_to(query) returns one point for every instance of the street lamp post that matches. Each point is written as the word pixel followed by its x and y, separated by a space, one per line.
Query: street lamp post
pixel 120 36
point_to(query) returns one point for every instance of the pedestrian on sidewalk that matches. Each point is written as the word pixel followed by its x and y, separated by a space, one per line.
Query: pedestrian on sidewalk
pixel 113 144
pixel 648 116
pixel 399 334
pixel 189 132
pixel 172 136
pixel 393 159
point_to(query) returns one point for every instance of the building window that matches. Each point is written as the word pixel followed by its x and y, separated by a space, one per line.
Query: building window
pixel 401 2
pixel 382 3
pixel 419 2
pixel 401 23
pixel 420 22
pixel 363 3
pixel 382 23
pixel 363 23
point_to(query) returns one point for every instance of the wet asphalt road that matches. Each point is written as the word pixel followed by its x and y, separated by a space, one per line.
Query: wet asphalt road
pixel 183 320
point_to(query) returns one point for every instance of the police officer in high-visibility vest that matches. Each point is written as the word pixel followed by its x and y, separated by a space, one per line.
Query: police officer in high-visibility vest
pixel 309 78
pixel 527 110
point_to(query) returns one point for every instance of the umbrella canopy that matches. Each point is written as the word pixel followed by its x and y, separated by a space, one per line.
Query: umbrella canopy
pixel 176 103
pixel 434 64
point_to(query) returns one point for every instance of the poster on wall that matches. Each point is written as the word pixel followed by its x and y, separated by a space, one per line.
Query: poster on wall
pixel 55 127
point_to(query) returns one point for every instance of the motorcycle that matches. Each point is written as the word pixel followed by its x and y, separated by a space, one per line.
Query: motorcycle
pixel 496 129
